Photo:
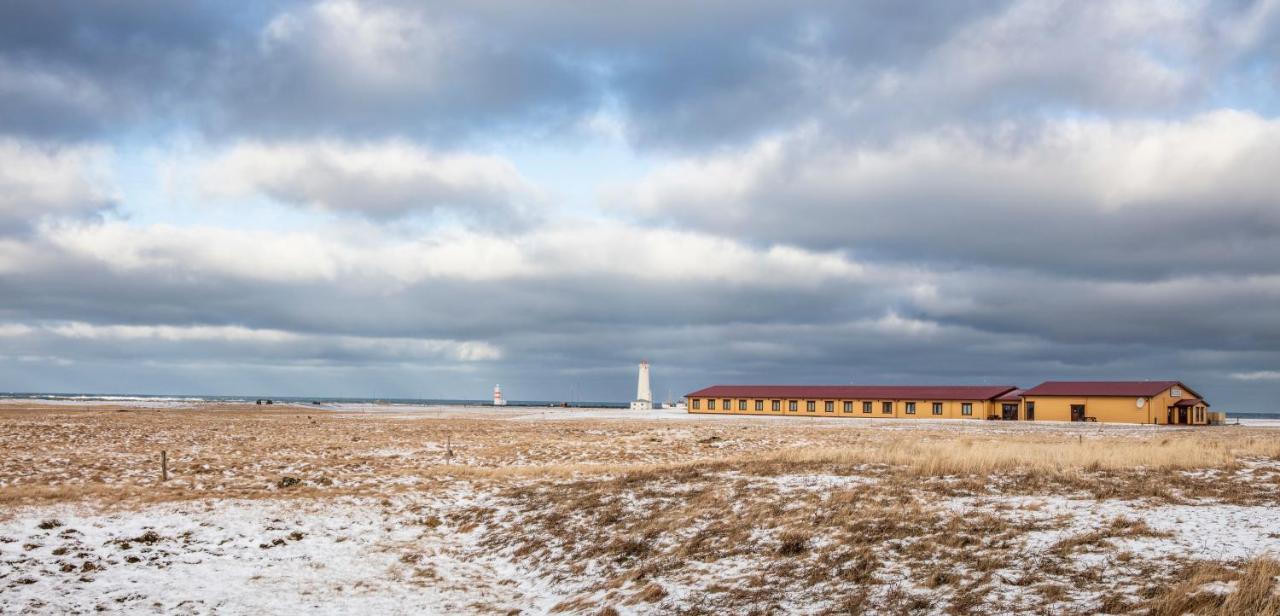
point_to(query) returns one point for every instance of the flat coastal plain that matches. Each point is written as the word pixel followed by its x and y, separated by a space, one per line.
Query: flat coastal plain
pixel 411 510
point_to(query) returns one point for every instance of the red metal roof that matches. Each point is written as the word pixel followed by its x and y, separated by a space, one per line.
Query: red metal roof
pixel 1013 396
pixel 856 392
pixel 1190 402
pixel 1101 388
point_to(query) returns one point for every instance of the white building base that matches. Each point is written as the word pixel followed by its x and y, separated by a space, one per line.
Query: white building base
pixel 641 405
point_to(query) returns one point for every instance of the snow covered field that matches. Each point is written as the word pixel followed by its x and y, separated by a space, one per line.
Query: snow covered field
pixel 449 511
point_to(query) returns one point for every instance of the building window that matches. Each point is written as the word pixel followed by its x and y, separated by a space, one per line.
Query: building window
pixel 711 404
pixel 696 404
pixel 829 406
pixel 759 405
pixel 1175 392
pixel 742 405
pixel 866 407
pixel 966 408
pixel 810 406
pixel 777 405
pixel 911 408
pixel 728 404
pixel 886 408
pixel 937 408
pixel 793 406
pixel 848 406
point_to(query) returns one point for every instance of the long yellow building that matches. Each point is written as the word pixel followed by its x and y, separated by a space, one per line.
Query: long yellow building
pixel 1159 402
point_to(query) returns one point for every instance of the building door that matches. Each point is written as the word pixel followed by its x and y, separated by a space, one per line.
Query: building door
pixel 1031 411
pixel 1077 412
pixel 1009 412
pixel 1182 414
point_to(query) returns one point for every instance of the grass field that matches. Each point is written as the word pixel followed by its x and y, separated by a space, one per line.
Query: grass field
pixel 487 511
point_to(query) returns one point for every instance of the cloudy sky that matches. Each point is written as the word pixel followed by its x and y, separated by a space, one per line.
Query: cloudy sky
pixel 406 199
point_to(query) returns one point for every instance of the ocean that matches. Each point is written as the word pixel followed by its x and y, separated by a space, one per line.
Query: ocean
pixel 300 400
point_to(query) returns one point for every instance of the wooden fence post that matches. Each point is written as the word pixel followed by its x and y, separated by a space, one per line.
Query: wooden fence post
pixel 164 465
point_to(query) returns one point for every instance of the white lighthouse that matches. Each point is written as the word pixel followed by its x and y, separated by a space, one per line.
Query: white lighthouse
pixel 644 397
pixel 497 396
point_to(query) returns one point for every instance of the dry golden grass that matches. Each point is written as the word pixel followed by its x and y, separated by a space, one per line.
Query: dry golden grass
pixel 852 513
pixel 963 456
pixel 1257 591
pixel 885 547
pixel 106 454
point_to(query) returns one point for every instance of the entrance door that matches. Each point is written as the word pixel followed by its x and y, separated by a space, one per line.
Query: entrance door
pixel 1077 412
pixel 1009 412
pixel 1031 411
pixel 1182 415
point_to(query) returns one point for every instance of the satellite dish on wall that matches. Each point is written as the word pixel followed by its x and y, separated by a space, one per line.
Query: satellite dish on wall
pixel 1142 402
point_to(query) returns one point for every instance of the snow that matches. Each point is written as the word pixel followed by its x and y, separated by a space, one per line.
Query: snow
pixel 327 557
pixel 1256 423
pixel 1207 530
pixel 405 554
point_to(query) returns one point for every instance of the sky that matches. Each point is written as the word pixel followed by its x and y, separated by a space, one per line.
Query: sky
pixel 389 198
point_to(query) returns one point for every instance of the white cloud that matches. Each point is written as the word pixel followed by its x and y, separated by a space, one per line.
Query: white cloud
pixel 301 345
pixel 1257 375
pixel 167 333
pixel 388 260
pixel 14 329
pixel 374 47
pixel 48 181
pixel 1063 194
pixel 381 180
pixel 1081 51
pixel 1221 155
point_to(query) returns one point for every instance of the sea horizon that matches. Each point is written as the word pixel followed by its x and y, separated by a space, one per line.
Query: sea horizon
pixel 357 400
pixel 305 400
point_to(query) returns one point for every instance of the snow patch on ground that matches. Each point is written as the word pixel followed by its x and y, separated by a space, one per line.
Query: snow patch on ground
pixel 1211 531
pixel 343 556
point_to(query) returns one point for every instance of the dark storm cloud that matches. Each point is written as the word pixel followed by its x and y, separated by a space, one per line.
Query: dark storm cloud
pixel 124 280
pixel 77 69
pixel 683 76
pixel 156 302
pixel 559 324
pixel 379 68
pixel 697 75
pixel 867 192
pixel 71 70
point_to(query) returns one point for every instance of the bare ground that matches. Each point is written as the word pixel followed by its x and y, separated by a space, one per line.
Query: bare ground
pixel 518 510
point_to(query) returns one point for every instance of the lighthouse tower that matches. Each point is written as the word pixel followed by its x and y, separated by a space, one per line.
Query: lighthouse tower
pixel 644 397
pixel 497 396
